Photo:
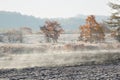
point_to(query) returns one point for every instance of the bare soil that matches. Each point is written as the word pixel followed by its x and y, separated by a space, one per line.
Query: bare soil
pixel 78 72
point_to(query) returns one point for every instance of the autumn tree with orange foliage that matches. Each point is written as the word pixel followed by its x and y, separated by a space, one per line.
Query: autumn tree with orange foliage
pixel 91 31
pixel 52 30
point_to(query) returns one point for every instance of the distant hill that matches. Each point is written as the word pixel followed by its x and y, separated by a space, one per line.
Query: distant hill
pixel 17 20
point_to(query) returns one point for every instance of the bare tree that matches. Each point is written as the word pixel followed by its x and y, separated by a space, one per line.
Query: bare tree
pixel 1 37
pixel 14 36
pixel 26 30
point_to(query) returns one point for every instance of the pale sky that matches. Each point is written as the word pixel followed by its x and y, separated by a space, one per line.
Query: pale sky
pixel 56 8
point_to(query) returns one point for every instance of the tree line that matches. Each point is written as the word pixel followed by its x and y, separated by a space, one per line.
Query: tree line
pixel 91 31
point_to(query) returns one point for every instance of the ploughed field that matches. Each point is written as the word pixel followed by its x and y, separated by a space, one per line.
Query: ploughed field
pixel 83 72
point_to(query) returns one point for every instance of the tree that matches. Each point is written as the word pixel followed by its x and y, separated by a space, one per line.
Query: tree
pixel 114 20
pixel 91 31
pixel 14 36
pixel 52 30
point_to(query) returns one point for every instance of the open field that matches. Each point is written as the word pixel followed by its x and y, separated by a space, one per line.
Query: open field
pixel 35 52
pixel 57 61
pixel 57 58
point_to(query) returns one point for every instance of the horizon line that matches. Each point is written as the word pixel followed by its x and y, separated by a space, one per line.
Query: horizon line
pixel 50 17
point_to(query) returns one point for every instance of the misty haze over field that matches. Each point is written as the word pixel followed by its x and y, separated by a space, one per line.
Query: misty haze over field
pixel 59 40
